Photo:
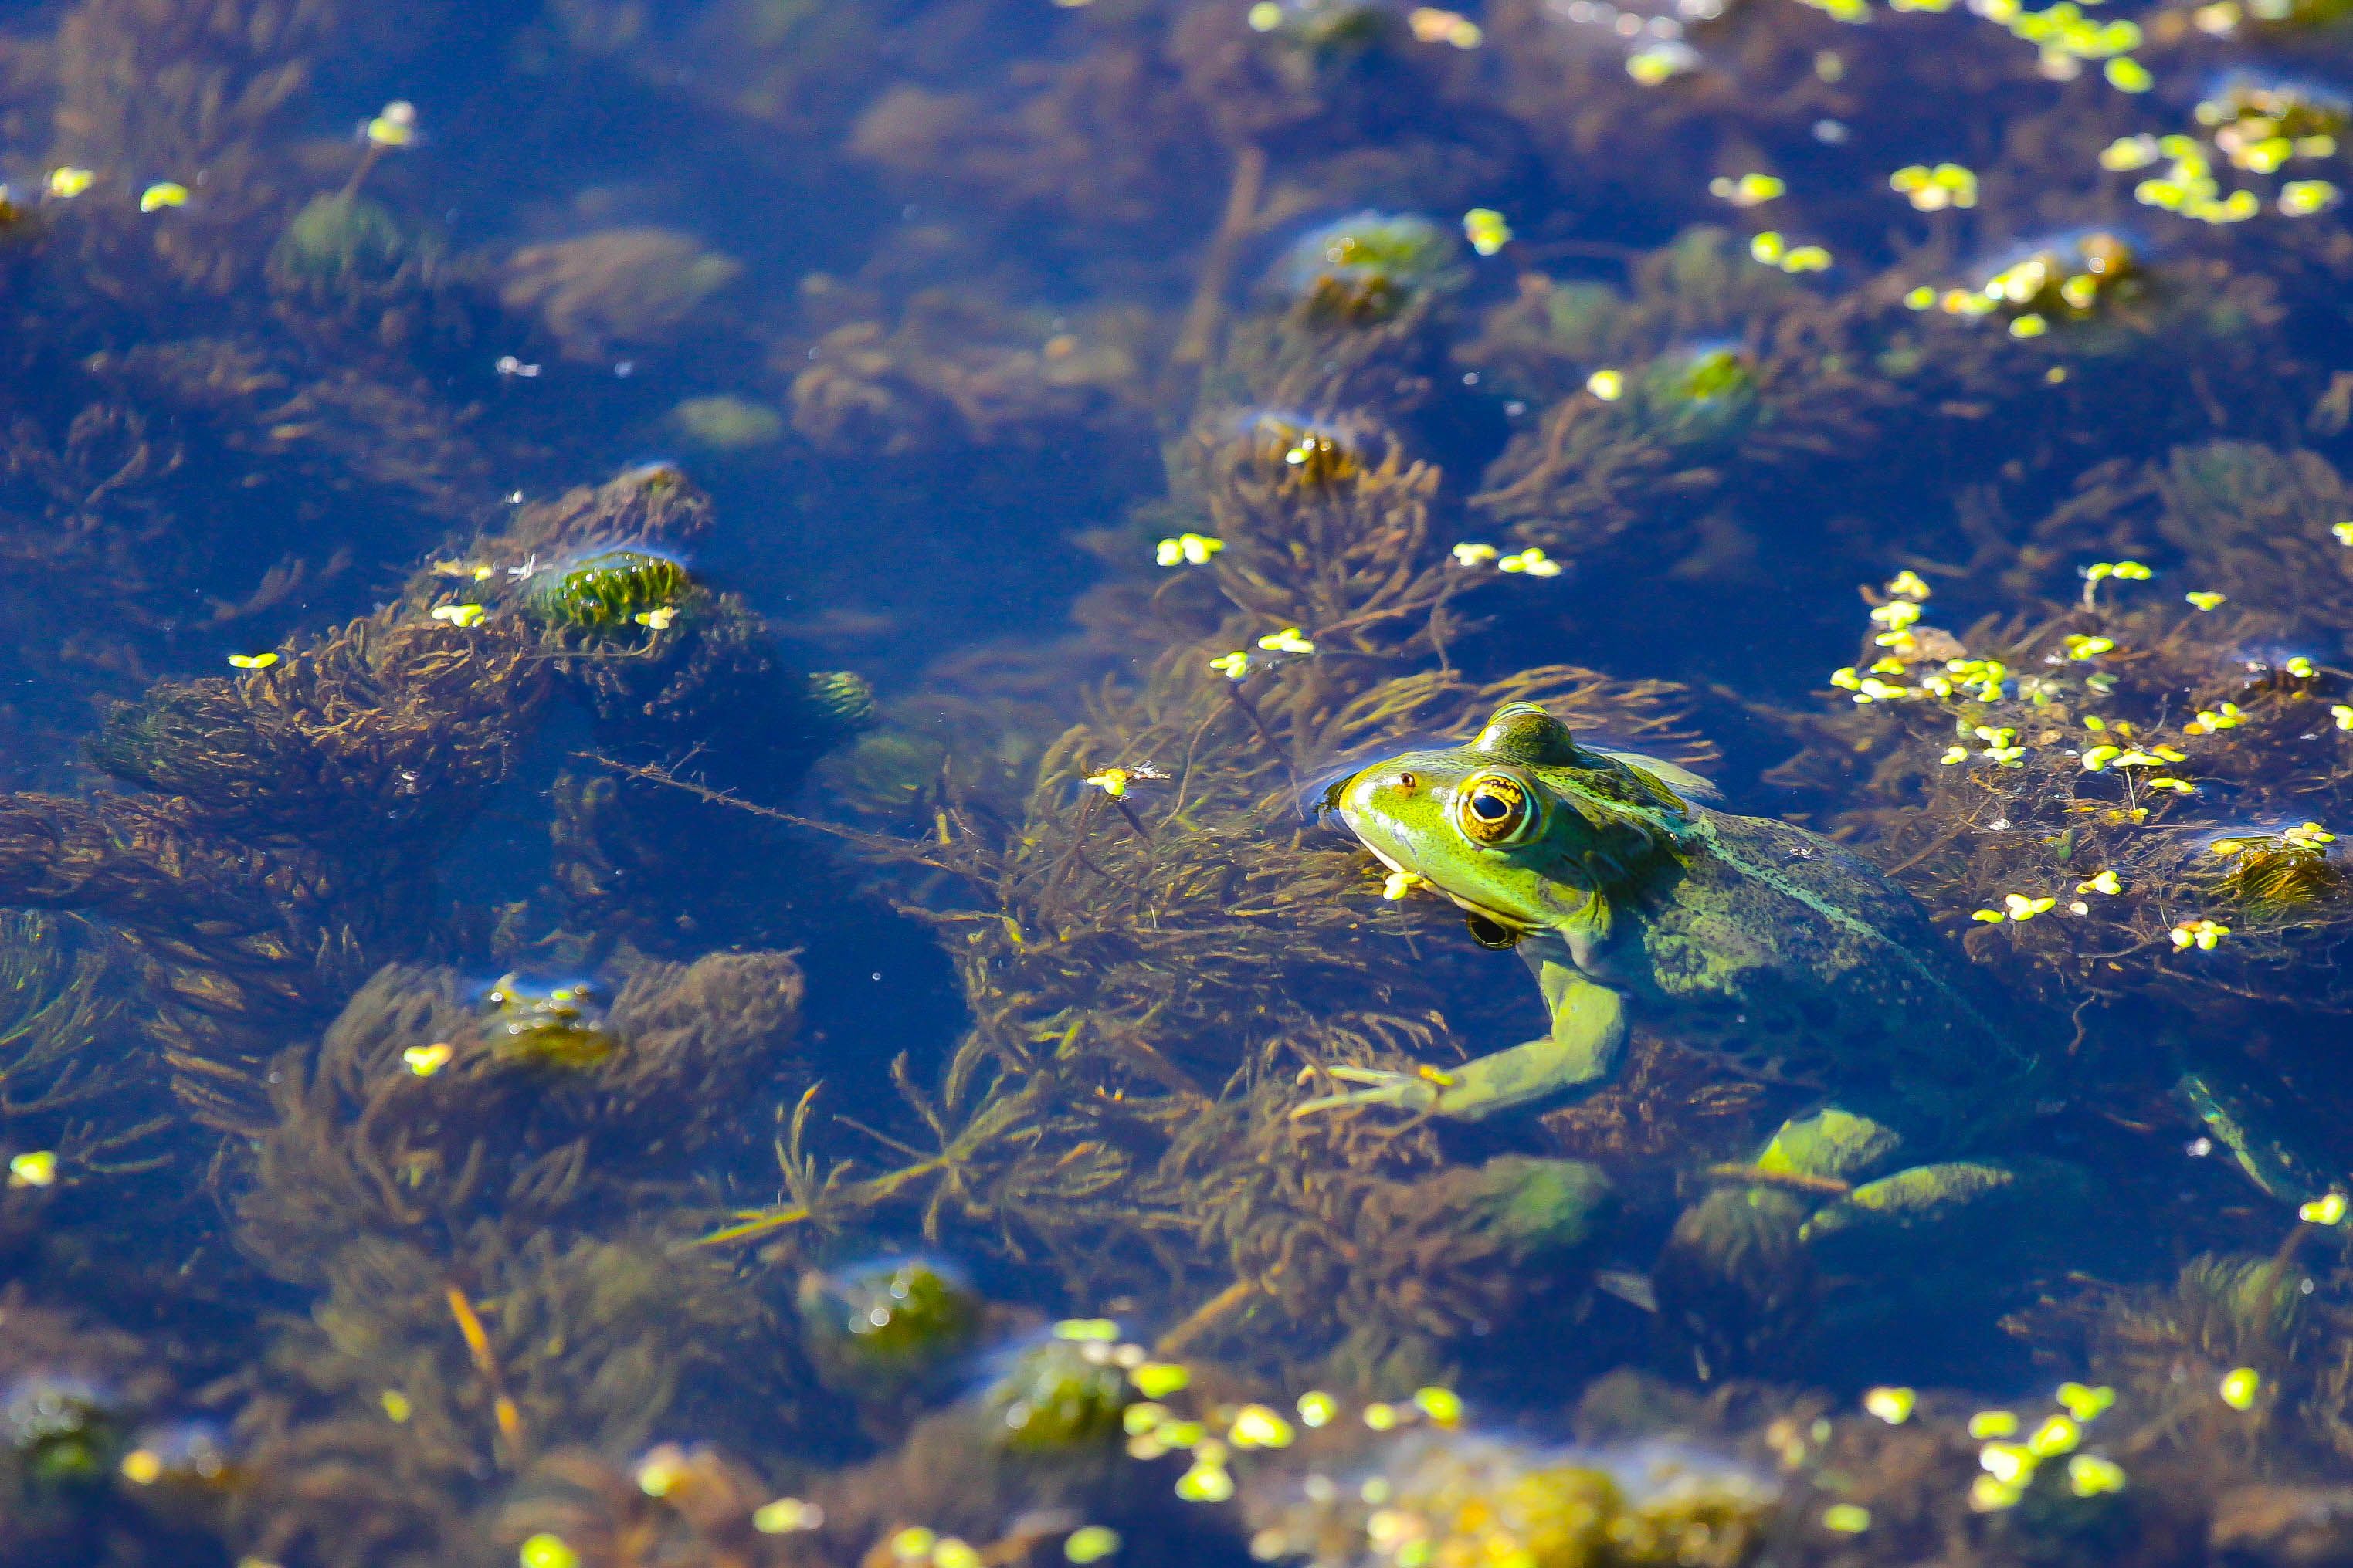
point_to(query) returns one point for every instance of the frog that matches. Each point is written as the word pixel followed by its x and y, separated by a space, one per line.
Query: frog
pixel 560 1027
pixel 1783 956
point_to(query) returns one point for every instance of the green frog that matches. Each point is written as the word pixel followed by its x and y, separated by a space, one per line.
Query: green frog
pixel 1770 948
pixel 1788 959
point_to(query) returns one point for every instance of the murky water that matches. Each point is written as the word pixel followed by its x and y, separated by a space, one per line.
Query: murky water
pixel 787 782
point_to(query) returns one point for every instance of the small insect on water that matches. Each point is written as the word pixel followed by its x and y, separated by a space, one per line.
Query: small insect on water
pixel 1115 781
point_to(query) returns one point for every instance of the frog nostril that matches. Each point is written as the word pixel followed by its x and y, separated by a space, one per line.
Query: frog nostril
pixel 1405 781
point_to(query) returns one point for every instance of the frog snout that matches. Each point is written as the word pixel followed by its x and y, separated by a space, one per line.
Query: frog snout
pixel 1377 789
pixel 1368 805
pixel 1360 800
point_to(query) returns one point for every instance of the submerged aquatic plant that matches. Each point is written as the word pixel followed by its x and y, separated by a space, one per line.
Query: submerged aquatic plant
pixel 2111 801
pixel 72 1390
pixel 1663 413
pixel 392 1125
pixel 2287 874
pixel 724 422
pixel 59 1013
pixel 64 1432
pixel 688 1503
pixel 1061 1395
pixel 610 590
pixel 2063 738
pixel 845 697
pixel 2254 523
pixel 1697 396
pixel 2260 125
pixel 1448 1498
pixel 2239 1362
pixel 888 1325
pixel 389 1414
pixel 2070 279
pixel 346 245
pixel 290 821
pixel 495 1247
pixel 953 369
pixel 1325 25
pixel 1307 452
pixel 616 286
pixel 559 1027
pixel 1364 269
pixel 1147 984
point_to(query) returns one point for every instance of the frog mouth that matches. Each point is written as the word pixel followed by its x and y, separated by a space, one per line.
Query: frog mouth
pixel 1509 926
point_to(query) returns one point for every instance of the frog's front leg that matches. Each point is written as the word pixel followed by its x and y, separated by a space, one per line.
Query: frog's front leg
pixel 1587 1037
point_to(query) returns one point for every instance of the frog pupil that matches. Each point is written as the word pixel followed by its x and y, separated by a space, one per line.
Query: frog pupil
pixel 1495 811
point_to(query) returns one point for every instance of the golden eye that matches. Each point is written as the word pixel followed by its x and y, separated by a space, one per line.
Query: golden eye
pixel 1495 809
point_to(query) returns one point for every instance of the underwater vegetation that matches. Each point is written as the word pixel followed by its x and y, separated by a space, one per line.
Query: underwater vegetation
pixel 1057 1397
pixel 616 288
pixel 513 1051
pixel 345 246
pixel 2069 280
pixel 2118 776
pixel 941 370
pixel 726 423
pixel 1109 911
pixel 887 1326
pixel 1620 433
pixel 1458 1498
pixel 611 589
pixel 261 802
pixel 396 1181
pixel 1363 268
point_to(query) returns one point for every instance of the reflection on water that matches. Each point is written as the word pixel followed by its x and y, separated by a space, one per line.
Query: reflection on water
pixel 747 744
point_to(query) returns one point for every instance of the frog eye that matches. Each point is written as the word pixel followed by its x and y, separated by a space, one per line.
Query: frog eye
pixel 1495 809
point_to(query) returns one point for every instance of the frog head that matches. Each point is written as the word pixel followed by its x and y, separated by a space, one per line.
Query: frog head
pixel 1524 828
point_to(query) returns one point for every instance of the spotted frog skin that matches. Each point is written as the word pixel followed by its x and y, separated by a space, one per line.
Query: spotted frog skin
pixel 1782 955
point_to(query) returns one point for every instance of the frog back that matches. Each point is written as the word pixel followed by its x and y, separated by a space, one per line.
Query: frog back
pixel 1793 960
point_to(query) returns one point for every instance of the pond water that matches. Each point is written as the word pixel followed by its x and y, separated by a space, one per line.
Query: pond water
pixel 785 782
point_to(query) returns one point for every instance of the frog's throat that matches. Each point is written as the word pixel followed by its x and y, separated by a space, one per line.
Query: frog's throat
pixel 1705 832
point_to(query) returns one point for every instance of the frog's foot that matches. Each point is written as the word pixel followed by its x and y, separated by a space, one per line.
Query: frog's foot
pixel 1998 1216
pixel 1833 1145
pixel 1785 1263
pixel 1525 1075
pixel 2256 1122
pixel 1827 1235
pixel 1416 1091
pixel 1932 1255
pixel 1589 1032
pixel 1866 1209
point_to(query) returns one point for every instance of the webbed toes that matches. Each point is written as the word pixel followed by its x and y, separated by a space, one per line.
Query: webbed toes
pixel 1382 1086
